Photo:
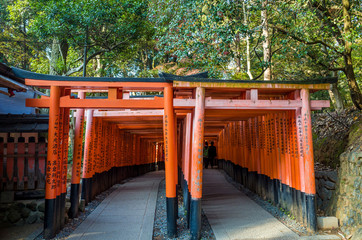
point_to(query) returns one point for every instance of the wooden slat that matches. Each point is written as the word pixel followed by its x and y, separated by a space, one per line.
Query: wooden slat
pixel 20 163
pixel 31 163
pixel 10 149
pixel 41 164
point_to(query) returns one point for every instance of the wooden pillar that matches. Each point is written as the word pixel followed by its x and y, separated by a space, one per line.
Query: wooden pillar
pixel 59 167
pixel 308 161
pixel 87 162
pixel 302 177
pixel 64 163
pixel 52 164
pixel 187 167
pixel 197 163
pixel 296 175
pixel 169 132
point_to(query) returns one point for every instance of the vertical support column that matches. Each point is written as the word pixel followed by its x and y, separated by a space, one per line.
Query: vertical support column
pixel 187 168
pixel 197 164
pixel 59 168
pixel 308 161
pixel 169 131
pixel 92 157
pixel 64 162
pixel 301 162
pixel 51 168
pixel 296 175
pixel 269 160
pixel 87 163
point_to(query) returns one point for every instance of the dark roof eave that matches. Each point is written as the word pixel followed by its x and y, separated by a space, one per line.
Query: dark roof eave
pixel 8 72
pixel 164 77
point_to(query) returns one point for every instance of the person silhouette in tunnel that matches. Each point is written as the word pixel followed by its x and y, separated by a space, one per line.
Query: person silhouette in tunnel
pixel 212 154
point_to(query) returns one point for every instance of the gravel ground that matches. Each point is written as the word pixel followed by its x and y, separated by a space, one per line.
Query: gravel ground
pixel 74 223
pixel 273 210
pixel 160 224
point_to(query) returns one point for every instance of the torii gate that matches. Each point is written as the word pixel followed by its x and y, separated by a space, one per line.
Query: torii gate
pixel 262 129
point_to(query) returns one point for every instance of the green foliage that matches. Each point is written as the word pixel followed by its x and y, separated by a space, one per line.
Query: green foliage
pixel 140 38
pixel 208 34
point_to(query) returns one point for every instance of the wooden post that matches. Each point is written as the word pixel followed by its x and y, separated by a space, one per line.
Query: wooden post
pixel 169 131
pixel 77 160
pixel 197 163
pixel 87 163
pixel 52 164
pixel 308 161
pixel 64 164
pixel 187 168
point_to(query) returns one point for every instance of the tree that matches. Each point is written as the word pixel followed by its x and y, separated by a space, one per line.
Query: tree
pixel 266 40
pixel 329 34
pixel 207 34
pixel 17 45
pixel 111 26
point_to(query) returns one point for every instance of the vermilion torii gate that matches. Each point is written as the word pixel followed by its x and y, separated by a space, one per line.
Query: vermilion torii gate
pixel 262 130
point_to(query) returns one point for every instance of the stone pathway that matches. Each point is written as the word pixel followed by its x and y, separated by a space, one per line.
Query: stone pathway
pixel 127 213
pixel 233 215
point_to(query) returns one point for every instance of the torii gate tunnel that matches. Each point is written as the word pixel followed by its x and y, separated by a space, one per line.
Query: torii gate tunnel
pixel 262 132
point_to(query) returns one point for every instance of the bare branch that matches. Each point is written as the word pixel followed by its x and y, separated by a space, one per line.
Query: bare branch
pixel 74 70
pixel 324 65
pixel 100 52
pixel 305 41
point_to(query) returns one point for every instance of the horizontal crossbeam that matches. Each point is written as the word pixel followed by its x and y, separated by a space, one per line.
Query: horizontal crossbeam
pixel 243 85
pixel 157 103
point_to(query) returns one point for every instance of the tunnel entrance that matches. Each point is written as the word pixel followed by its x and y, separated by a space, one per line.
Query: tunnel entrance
pixel 262 132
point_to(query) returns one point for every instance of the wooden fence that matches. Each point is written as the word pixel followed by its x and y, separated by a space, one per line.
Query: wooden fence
pixel 22 164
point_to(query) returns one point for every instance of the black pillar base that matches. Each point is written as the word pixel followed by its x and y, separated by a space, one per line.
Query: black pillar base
pixel 275 191
pixel 176 202
pixel 283 197
pixel 57 217
pixel 74 200
pixel 50 218
pixel 86 190
pixel 62 198
pixel 299 211
pixel 188 209
pixel 311 212
pixel 304 208
pixel 171 217
pixel 195 218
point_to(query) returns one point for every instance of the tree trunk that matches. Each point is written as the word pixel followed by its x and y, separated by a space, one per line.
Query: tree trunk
pixel 266 40
pixel 356 95
pixel 248 61
pixel 355 92
pixel 63 49
pixel 336 97
pixel 54 56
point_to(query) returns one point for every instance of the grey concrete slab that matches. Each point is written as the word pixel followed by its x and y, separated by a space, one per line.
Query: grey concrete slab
pixel 232 215
pixel 127 213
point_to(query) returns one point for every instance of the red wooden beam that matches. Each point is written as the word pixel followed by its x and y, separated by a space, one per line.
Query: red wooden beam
pixel 98 85
pixel 67 102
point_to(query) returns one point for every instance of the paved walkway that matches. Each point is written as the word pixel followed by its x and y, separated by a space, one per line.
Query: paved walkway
pixel 233 215
pixel 127 213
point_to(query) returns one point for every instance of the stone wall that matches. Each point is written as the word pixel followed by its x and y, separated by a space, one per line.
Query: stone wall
pixel 22 212
pixel 346 202
pixel 326 182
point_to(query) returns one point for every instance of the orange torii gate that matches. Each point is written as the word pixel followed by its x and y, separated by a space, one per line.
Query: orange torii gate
pixel 262 131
